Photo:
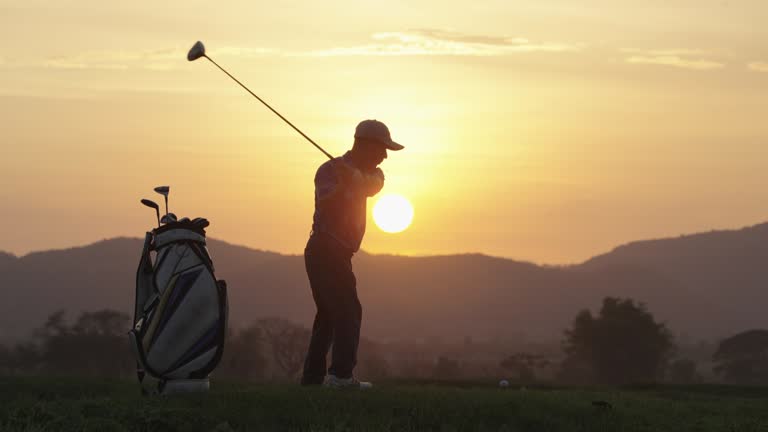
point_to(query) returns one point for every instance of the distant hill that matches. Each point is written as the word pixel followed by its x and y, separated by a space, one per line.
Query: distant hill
pixel 722 276
pixel 705 285
pixel 6 258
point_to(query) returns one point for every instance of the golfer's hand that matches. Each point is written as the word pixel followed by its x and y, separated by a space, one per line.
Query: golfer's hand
pixel 373 182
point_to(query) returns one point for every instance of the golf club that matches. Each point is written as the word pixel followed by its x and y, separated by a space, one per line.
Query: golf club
pixel 198 50
pixel 152 204
pixel 164 190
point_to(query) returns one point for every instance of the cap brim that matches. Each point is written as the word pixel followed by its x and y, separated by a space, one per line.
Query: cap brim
pixel 393 146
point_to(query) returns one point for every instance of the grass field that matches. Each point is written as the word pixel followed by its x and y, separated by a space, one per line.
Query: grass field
pixel 48 404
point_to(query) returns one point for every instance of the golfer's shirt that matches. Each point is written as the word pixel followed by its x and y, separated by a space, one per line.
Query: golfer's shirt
pixel 343 216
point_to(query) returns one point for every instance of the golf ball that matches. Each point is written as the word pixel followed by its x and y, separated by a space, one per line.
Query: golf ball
pixel 503 383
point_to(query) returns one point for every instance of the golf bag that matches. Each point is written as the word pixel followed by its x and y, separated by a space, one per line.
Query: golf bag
pixel 180 317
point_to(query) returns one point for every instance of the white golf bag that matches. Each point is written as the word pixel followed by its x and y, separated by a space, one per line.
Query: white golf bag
pixel 180 317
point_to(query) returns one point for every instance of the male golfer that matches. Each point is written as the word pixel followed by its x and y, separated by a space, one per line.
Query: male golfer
pixel 342 188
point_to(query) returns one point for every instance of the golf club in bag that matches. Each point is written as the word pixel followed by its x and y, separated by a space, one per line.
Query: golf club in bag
pixel 180 316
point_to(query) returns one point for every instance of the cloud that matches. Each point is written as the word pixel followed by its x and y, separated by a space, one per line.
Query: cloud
pixel 426 42
pixel 421 42
pixel 72 63
pixel 758 66
pixel 241 52
pixel 680 58
pixel 676 61
pixel 112 60
pixel 155 60
pixel 665 52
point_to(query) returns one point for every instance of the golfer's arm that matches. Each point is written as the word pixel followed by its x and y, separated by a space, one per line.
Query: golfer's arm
pixel 330 196
pixel 369 184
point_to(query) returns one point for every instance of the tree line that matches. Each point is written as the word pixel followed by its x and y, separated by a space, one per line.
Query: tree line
pixel 623 343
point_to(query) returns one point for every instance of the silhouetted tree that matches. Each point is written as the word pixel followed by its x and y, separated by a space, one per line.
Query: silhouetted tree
pixel 104 322
pixel 288 343
pixel 243 355
pixel 95 345
pixel 55 325
pixel 524 366
pixel 743 358
pixel 623 344
pixel 22 358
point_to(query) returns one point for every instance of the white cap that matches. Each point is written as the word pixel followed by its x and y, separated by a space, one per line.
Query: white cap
pixel 377 131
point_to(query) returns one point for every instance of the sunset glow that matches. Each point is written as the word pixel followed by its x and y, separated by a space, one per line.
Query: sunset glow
pixel 560 130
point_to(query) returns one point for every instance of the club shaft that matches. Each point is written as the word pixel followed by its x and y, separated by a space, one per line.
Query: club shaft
pixel 271 109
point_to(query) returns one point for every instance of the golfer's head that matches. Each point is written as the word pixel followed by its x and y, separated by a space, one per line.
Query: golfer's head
pixel 372 140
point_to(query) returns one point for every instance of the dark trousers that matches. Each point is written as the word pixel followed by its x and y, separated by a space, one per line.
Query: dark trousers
pixel 339 314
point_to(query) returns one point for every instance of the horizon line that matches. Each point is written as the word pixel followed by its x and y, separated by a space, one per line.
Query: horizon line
pixel 365 252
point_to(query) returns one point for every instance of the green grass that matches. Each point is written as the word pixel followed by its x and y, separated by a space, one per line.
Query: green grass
pixel 65 404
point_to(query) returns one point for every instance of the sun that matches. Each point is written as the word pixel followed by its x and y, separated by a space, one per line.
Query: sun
pixel 393 213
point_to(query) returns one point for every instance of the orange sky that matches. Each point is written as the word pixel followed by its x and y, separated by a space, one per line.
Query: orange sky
pixel 537 130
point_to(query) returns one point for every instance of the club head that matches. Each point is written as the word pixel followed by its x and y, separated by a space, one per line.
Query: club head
pixel 163 190
pixel 171 217
pixel 200 222
pixel 197 51
pixel 165 219
pixel 150 204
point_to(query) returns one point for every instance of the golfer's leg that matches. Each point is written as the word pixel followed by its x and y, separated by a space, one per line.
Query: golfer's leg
pixel 319 344
pixel 347 320
pixel 322 329
pixel 357 321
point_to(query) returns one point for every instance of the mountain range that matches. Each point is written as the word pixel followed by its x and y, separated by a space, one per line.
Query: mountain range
pixel 704 286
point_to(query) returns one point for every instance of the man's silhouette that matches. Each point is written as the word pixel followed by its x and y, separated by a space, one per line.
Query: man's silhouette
pixel 342 188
